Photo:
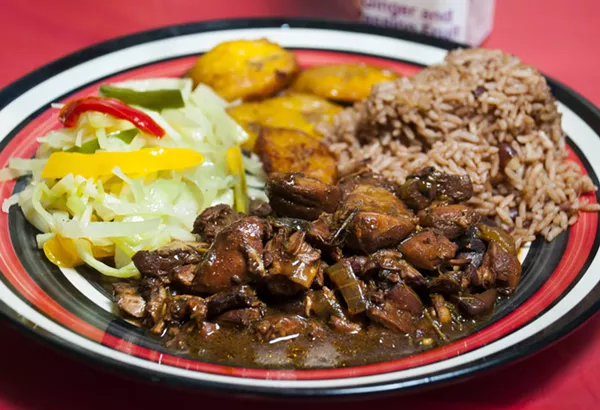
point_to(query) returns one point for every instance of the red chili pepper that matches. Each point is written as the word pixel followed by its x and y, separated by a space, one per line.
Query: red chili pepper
pixel 70 113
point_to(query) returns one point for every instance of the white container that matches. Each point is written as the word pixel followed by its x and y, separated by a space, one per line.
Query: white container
pixel 464 21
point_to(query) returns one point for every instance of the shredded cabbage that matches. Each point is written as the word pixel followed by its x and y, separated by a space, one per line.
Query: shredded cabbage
pixel 128 212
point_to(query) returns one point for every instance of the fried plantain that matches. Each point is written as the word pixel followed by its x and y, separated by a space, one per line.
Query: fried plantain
pixel 286 150
pixel 341 82
pixel 246 69
pixel 294 111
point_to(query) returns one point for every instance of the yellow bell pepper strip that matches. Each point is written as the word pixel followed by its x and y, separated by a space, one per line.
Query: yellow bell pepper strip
pixel 70 113
pixel 63 253
pixel 236 167
pixel 143 161
pixel 156 100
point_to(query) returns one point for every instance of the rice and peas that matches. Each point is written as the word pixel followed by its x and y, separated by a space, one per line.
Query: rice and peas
pixel 458 116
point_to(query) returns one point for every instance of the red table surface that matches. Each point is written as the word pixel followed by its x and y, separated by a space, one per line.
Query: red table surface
pixel 558 36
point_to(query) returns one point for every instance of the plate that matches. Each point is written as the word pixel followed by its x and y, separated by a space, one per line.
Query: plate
pixel 559 289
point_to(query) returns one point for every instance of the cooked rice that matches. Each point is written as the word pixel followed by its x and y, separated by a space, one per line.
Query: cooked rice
pixel 454 116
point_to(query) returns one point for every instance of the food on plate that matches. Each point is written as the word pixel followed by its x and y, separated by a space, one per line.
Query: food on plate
pixel 245 69
pixel 289 150
pixel 341 82
pixel 328 267
pixel 297 111
pixel 253 222
pixel 480 113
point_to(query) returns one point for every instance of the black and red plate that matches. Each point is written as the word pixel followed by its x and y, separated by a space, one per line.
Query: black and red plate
pixel 558 292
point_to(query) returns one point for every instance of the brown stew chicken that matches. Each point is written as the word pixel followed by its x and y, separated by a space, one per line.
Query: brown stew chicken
pixel 327 275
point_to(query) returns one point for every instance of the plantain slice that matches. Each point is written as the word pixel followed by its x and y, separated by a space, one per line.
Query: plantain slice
pixel 294 111
pixel 341 82
pixel 286 150
pixel 245 69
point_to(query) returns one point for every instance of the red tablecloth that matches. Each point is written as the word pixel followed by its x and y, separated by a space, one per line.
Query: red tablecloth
pixel 558 36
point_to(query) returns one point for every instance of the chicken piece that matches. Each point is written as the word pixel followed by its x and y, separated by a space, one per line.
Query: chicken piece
pixel 163 261
pixel 129 300
pixel 341 82
pixel 296 111
pixel 350 182
pixel 280 286
pixel 286 150
pixel 471 247
pixel 381 218
pixel 183 307
pixel 237 298
pixel 391 260
pixel 362 266
pixel 149 284
pixel 427 250
pixel 500 268
pixel 323 304
pixel 234 256
pixel 405 298
pixel 456 188
pixel 322 230
pixel 451 221
pixel 293 266
pixel 246 69
pixel 416 193
pixel 280 326
pixel 156 308
pixel 420 189
pixel 390 316
pixel 214 219
pixel 240 317
pixel 478 305
pixel 297 196
pixel 184 275
pixel 259 208
pixel 450 283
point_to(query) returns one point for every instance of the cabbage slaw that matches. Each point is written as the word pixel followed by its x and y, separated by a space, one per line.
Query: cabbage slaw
pixel 121 214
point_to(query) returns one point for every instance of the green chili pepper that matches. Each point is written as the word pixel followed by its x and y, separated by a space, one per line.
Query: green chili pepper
pixel 126 135
pixel 86 148
pixel 156 100
pixel 93 145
